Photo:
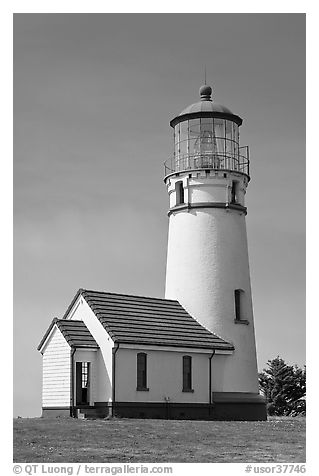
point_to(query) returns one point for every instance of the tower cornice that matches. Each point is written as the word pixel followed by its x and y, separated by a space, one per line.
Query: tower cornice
pixel 192 206
pixel 217 114
pixel 187 172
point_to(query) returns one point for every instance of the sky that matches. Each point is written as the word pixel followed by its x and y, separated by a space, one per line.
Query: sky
pixel 93 97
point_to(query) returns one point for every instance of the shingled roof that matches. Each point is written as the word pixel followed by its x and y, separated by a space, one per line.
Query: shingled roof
pixel 75 333
pixel 149 321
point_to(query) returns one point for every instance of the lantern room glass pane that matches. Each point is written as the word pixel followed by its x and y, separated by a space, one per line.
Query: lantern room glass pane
pixel 207 136
pixel 219 128
pixel 194 128
pixel 229 130
pixel 229 138
pixel 193 147
pixel 176 150
pixel 183 148
pixel 235 133
pixel 176 133
pixel 194 137
pixel 219 135
pixel 183 131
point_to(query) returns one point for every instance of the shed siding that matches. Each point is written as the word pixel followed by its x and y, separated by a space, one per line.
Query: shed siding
pixel 56 384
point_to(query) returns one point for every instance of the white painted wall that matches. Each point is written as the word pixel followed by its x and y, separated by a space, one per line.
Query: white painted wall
pixel 164 376
pixel 56 383
pixel 207 260
pixel 103 360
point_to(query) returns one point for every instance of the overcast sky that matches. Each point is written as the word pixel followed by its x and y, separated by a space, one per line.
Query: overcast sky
pixel 93 97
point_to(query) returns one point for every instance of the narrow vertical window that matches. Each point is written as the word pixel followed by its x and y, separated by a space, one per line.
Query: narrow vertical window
pixel 234 192
pixel 141 371
pixel 187 374
pixel 179 193
pixel 238 304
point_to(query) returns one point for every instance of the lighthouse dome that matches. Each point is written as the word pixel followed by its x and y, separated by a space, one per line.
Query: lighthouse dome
pixel 205 104
pixel 206 107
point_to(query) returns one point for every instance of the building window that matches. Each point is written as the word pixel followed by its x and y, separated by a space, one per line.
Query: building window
pixel 239 301
pixel 238 304
pixel 187 374
pixel 85 374
pixel 239 314
pixel 179 193
pixel 141 371
pixel 234 192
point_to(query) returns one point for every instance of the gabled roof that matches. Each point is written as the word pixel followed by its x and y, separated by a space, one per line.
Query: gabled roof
pixel 75 333
pixel 148 321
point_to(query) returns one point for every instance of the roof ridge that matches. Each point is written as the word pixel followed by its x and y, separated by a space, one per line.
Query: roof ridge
pixel 127 295
pixel 68 320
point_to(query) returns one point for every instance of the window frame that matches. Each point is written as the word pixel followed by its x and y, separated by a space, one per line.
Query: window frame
pixel 180 193
pixel 238 301
pixel 141 372
pixel 234 191
pixel 187 374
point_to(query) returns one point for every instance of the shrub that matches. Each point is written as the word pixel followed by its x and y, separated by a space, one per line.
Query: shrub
pixel 284 387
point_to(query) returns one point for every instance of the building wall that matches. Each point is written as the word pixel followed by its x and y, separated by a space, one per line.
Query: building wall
pixel 164 377
pixel 207 260
pixel 56 383
pixel 103 360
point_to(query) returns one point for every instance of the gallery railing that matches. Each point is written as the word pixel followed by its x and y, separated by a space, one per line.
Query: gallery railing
pixel 211 161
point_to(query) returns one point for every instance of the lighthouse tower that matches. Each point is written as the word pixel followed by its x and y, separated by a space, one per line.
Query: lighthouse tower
pixel 207 259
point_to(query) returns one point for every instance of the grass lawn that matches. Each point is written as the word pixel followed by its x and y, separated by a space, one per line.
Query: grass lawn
pixel 149 441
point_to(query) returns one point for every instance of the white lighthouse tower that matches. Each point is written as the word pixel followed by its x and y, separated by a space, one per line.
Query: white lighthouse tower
pixel 207 258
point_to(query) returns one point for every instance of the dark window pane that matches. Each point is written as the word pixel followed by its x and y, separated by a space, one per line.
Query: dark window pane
pixel 141 370
pixel 238 304
pixel 179 193
pixel 187 373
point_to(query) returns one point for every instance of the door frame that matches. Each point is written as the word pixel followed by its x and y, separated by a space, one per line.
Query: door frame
pixel 82 377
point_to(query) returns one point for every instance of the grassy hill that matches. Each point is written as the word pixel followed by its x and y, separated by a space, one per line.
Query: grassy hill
pixel 148 441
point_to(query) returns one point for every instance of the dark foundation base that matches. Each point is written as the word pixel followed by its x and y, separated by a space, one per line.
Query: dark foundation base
pixel 239 406
pixel 56 412
pixel 225 406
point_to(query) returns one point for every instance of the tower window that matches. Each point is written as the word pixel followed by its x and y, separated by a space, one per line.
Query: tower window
pixel 179 193
pixel 234 192
pixel 238 304
pixel 141 371
pixel 187 374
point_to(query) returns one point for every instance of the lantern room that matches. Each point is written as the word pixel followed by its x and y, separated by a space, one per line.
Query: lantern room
pixel 206 136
